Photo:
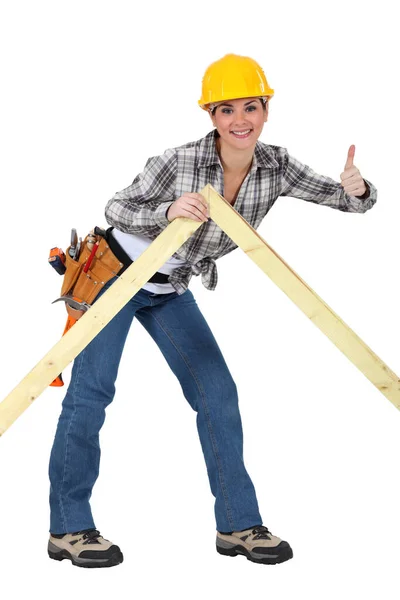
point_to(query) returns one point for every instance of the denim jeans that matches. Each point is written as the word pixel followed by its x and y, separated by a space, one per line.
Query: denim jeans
pixel 187 343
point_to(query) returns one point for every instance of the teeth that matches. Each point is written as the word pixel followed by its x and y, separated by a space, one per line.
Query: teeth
pixel 241 132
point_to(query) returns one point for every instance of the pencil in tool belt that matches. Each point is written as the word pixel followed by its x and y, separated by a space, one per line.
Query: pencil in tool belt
pixel 89 260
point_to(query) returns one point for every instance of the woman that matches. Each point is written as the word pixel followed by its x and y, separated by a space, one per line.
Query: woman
pixel 251 176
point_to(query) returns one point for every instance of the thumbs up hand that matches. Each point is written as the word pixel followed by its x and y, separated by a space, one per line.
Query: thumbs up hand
pixel 352 182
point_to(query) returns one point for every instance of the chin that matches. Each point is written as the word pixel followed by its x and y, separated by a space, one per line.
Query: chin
pixel 243 144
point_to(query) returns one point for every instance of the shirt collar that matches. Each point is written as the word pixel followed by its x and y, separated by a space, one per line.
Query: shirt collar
pixel 263 154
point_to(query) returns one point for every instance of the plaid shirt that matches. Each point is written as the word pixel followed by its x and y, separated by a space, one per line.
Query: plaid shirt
pixel 141 207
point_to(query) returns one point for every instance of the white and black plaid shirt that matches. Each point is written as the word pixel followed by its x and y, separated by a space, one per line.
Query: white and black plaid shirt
pixel 141 207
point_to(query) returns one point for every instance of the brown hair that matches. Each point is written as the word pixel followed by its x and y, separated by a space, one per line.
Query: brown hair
pixel 263 101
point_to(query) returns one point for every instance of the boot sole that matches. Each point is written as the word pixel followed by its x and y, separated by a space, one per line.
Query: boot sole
pixel 272 559
pixel 112 561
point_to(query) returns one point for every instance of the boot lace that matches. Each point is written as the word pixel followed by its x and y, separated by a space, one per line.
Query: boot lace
pixel 91 536
pixel 261 532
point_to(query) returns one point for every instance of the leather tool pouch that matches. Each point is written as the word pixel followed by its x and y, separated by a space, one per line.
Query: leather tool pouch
pixel 85 286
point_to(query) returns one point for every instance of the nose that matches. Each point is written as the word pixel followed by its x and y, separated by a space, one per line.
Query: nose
pixel 240 116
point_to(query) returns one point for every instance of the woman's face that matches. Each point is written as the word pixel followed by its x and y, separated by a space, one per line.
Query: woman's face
pixel 240 122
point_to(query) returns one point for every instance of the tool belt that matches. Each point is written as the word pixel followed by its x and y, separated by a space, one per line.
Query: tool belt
pixel 110 260
pixel 122 256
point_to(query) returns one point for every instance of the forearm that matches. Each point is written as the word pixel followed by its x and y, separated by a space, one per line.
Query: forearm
pixel 300 181
pixel 131 217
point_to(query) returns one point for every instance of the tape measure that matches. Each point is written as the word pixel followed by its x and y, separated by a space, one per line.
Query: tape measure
pixel 57 260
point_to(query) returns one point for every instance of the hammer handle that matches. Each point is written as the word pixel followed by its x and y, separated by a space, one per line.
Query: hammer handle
pixel 58 381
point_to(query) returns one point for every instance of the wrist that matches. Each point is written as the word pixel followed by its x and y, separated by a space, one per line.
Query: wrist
pixel 366 193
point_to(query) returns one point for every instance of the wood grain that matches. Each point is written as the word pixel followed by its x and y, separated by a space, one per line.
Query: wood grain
pixel 168 242
pixel 344 338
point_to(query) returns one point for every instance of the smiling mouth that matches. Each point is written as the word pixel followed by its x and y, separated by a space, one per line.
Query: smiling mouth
pixel 242 134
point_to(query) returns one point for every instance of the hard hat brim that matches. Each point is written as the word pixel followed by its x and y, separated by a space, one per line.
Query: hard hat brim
pixel 216 102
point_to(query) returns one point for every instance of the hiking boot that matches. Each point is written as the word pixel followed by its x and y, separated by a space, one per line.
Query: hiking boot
pixel 257 544
pixel 85 548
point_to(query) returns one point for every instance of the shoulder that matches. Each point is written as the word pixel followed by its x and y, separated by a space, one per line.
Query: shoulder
pixel 196 154
pixel 207 140
pixel 194 150
pixel 198 149
pixel 270 155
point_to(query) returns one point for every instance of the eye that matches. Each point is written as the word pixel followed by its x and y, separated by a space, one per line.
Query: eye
pixel 251 108
pixel 226 111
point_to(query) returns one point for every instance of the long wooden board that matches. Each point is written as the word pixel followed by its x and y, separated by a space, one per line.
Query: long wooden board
pixel 93 321
pixel 247 238
pixel 168 242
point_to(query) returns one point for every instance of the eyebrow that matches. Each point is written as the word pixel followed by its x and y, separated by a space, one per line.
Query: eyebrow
pixel 231 105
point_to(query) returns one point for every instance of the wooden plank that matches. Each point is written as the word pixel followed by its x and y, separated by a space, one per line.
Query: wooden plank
pixel 93 321
pixel 170 240
pixel 247 238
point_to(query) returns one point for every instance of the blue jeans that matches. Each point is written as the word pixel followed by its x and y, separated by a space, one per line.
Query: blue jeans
pixel 187 343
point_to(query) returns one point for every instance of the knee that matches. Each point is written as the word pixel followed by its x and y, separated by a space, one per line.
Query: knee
pixel 223 385
pixel 229 390
pixel 220 396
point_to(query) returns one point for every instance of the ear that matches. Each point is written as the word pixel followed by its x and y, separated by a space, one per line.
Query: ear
pixel 212 117
pixel 266 113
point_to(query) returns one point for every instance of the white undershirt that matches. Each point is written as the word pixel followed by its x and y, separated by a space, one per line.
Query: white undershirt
pixel 134 245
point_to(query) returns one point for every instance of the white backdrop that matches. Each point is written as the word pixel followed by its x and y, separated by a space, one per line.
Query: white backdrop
pixel 90 90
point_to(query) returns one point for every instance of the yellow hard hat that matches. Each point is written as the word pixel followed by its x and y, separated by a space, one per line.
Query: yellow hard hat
pixel 233 77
